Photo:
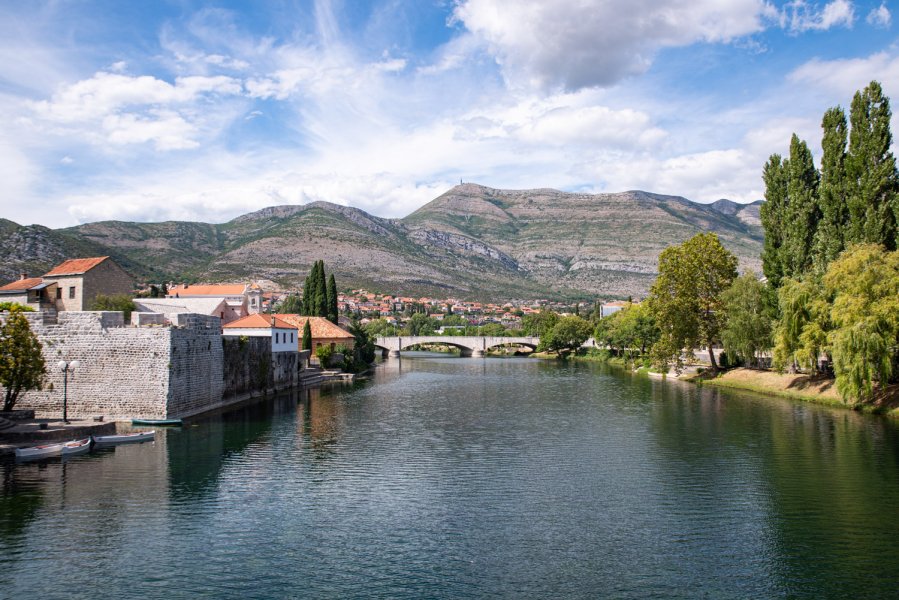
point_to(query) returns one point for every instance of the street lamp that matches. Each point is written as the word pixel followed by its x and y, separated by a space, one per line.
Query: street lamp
pixel 66 368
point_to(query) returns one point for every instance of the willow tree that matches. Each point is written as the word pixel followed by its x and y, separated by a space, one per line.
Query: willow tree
pixel 686 298
pixel 22 365
pixel 864 283
pixel 801 334
pixel 749 312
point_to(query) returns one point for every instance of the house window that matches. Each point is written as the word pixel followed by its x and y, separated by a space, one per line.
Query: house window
pixel 72 292
pixel 333 345
pixel 277 338
pixel 59 293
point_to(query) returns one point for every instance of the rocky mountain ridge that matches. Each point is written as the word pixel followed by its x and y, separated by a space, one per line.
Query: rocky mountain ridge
pixel 473 241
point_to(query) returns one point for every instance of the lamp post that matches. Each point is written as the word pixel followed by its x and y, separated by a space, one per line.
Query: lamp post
pixel 66 367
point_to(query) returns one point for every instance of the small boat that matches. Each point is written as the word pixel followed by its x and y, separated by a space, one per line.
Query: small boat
pixel 76 447
pixel 45 451
pixel 126 438
pixel 160 422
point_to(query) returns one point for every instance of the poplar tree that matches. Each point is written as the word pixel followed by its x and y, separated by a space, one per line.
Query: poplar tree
pixel 772 216
pixel 832 191
pixel 801 214
pixel 332 299
pixel 871 169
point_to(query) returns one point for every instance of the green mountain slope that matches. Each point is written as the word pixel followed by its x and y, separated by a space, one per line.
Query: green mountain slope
pixel 472 241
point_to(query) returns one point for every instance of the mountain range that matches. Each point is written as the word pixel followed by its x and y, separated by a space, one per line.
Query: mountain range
pixel 471 242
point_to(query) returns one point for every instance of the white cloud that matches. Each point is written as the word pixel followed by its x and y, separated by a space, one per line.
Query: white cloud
pixel 122 109
pixel 799 16
pixel 550 43
pixel 843 77
pixel 880 16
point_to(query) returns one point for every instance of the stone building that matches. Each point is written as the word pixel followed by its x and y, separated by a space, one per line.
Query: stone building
pixel 211 306
pixel 79 281
pixel 243 299
pixel 30 291
pixel 324 332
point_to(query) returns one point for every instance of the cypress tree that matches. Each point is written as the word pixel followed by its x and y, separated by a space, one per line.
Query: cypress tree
pixel 772 215
pixel 801 215
pixel 307 337
pixel 307 293
pixel 320 300
pixel 871 170
pixel 332 299
pixel 830 237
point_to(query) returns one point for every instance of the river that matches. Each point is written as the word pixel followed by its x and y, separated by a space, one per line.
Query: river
pixel 445 477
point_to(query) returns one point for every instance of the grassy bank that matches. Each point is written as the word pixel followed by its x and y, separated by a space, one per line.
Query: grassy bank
pixel 817 389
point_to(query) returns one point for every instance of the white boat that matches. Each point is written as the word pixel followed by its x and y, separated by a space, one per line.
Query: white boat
pixel 76 447
pixel 125 438
pixel 44 451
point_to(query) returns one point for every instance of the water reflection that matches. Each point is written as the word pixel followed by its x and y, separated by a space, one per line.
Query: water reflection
pixel 447 478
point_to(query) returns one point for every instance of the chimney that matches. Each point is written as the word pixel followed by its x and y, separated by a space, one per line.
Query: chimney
pixel 23 275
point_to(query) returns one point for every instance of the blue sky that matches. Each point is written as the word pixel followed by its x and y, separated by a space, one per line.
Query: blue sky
pixel 191 110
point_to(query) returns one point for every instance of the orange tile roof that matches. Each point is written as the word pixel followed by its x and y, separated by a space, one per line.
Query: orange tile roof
pixel 76 266
pixel 320 327
pixel 230 289
pixel 22 284
pixel 259 321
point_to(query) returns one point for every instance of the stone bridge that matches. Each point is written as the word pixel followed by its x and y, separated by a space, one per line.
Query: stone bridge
pixel 475 346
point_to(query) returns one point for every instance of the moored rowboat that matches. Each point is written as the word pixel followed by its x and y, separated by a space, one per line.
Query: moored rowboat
pixel 161 422
pixel 126 438
pixel 76 447
pixel 44 451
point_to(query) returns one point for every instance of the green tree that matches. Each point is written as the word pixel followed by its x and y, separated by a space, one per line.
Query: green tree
pixel 117 302
pixel 22 365
pixel 331 294
pixel 628 332
pixel 379 328
pixel 420 324
pixel 291 305
pixel 749 316
pixel 685 299
pixel 539 324
pixel 801 212
pixel 871 170
pixel 773 216
pixel 307 336
pixel 492 330
pixel 566 336
pixel 864 283
pixel 829 237
pixel 801 333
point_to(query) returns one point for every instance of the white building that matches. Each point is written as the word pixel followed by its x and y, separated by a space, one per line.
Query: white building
pixel 284 336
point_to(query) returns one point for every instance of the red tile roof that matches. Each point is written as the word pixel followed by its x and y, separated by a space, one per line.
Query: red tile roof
pixel 22 284
pixel 231 289
pixel 76 266
pixel 320 327
pixel 259 321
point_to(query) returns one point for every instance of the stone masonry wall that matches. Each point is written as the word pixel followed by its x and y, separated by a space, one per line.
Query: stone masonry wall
pixel 196 359
pixel 150 372
pixel 123 372
pixel 250 366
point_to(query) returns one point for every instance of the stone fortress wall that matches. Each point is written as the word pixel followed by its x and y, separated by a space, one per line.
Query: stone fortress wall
pixel 147 372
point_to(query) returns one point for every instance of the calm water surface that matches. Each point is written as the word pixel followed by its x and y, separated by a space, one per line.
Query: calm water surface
pixel 462 478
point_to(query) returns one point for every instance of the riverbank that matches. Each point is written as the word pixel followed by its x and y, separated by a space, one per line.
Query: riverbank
pixel 818 389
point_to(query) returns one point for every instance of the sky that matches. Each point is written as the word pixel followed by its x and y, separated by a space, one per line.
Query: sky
pixel 195 110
